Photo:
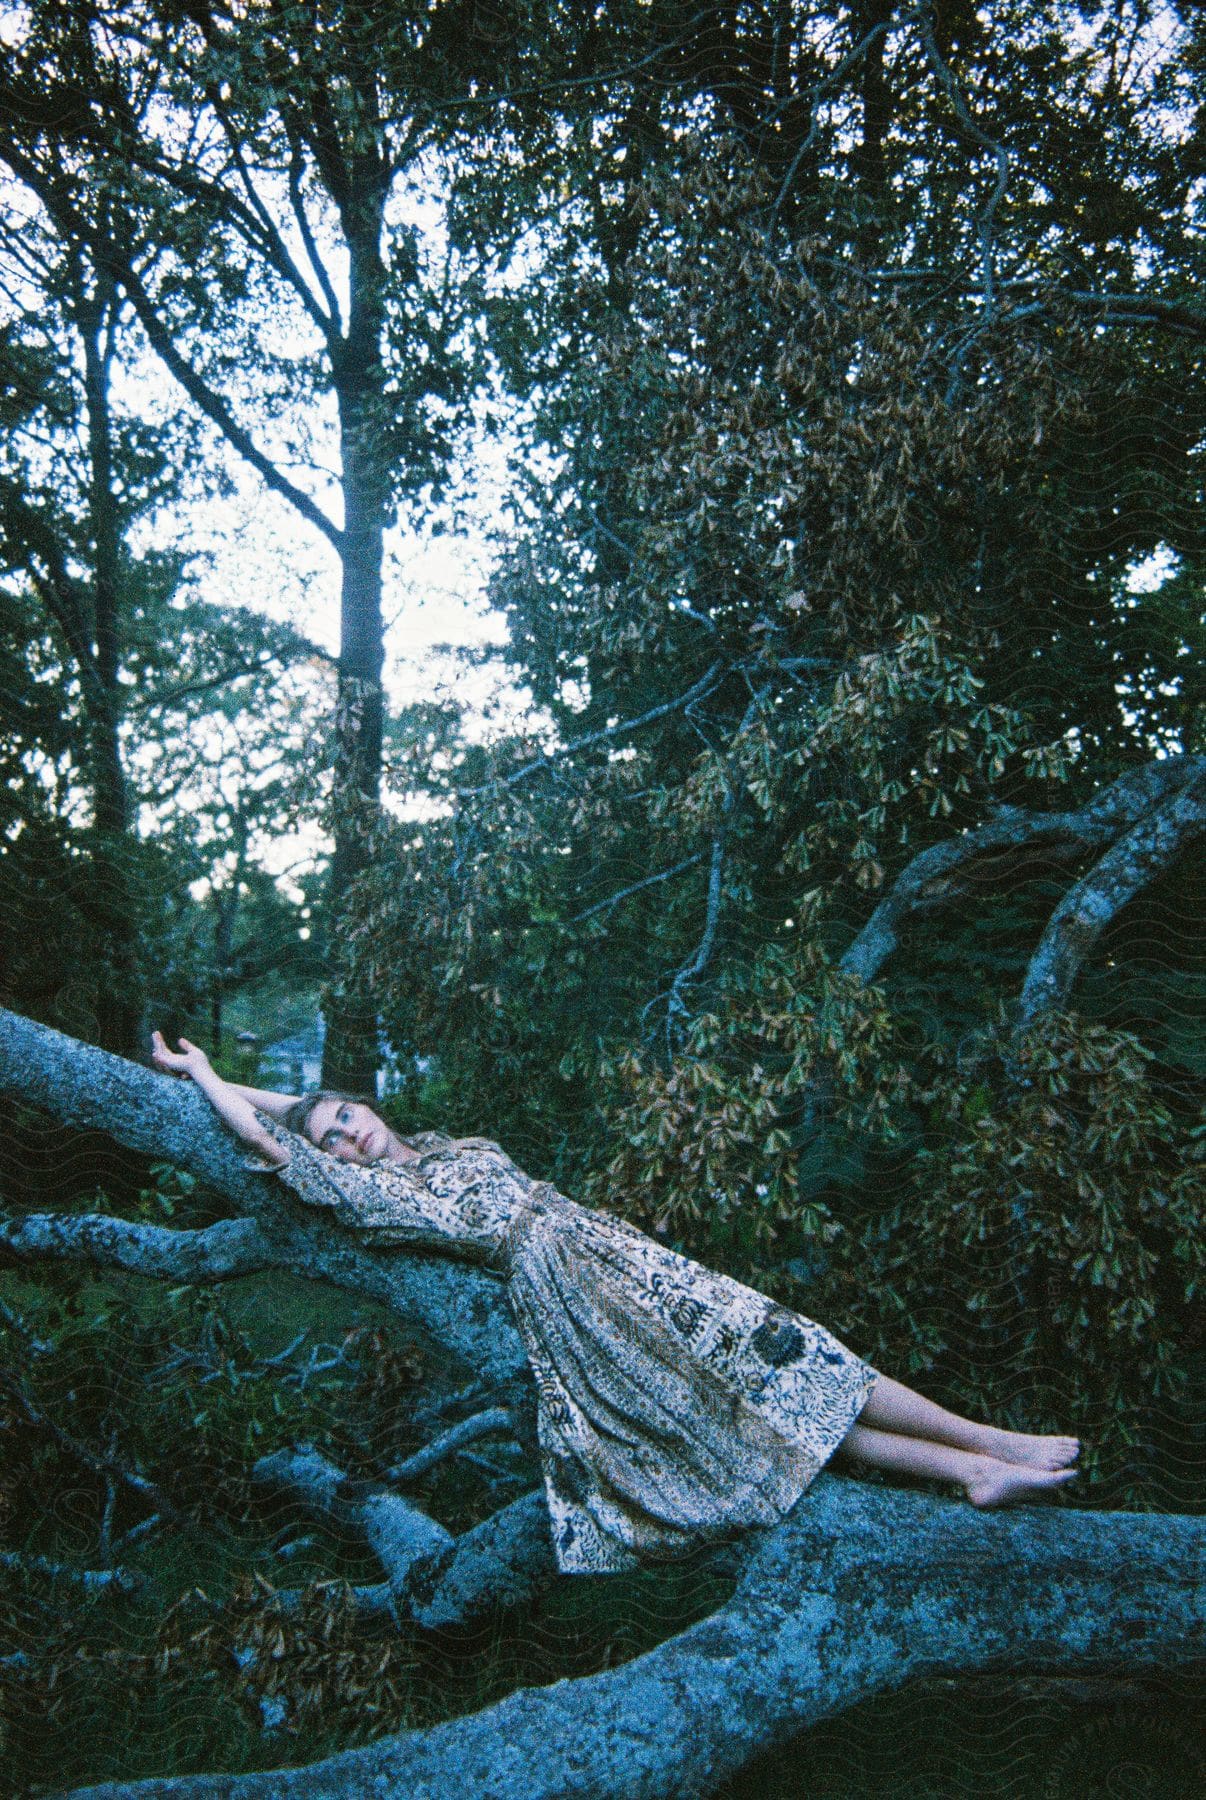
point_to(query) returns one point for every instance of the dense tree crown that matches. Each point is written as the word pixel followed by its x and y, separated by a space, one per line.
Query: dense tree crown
pixel 831 902
pixel 828 564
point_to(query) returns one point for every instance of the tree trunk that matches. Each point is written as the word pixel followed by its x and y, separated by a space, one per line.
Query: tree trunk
pixel 350 1053
pixel 868 163
pixel 119 1016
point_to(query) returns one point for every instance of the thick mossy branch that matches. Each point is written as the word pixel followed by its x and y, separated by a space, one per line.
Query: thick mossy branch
pixel 1173 791
pixel 459 1308
pixel 859 1591
pixel 229 1248
pixel 1135 861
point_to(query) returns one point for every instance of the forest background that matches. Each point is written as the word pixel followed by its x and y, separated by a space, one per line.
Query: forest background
pixel 812 868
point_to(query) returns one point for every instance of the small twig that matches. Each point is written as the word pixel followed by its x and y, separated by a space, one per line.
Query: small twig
pixel 689 612
pixel 319 1365
pixel 495 1418
pixel 101 1465
pixel 282 1356
pixel 432 1411
pixel 698 691
pixel 136 1533
pixel 93 1581
pixel 35 1345
pixel 106 1526
pixel 647 881
pixel 492 1470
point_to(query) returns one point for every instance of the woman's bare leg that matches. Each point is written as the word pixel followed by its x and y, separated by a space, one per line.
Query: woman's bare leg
pixel 985 1480
pixel 893 1407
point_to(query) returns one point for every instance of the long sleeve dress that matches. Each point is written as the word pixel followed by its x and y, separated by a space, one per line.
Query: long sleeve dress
pixel 674 1405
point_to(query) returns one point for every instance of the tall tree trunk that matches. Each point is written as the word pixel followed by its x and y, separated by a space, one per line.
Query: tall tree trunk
pixel 867 160
pixel 350 1055
pixel 226 912
pixel 120 1009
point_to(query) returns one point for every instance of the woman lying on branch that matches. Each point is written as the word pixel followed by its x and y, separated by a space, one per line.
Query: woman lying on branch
pixel 673 1404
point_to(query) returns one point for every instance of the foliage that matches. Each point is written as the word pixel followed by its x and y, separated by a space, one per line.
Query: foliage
pixel 814 569
pixel 181 1395
pixel 773 701
pixel 1011 1222
pixel 242 1645
pixel 126 693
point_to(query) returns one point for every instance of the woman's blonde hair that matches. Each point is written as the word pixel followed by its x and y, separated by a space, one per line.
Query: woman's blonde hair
pixel 298 1115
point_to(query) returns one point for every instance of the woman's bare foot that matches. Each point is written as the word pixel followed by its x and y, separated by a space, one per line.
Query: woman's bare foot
pixel 1030 1452
pixel 996 1483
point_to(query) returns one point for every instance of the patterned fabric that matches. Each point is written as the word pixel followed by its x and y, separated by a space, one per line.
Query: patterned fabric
pixel 673 1404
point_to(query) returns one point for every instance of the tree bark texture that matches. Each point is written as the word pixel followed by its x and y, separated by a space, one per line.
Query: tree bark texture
pixel 1142 821
pixel 1134 862
pixel 860 1590
pixel 350 1054
pixel 455 1306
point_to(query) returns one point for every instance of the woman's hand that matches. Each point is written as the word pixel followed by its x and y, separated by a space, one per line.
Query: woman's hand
pixel 188 1060
pixel 227 1101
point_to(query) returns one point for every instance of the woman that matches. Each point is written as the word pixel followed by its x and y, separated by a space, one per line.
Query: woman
pixel 673 1404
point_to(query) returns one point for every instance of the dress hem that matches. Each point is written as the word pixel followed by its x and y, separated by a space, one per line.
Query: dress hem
pixel 620 1558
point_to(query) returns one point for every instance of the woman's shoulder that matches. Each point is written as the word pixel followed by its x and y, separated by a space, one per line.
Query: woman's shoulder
pixel 441 1140
pixel 468 1153
pixel 426 1140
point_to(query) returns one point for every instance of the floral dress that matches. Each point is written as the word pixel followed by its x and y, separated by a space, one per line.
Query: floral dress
pixel 674 1405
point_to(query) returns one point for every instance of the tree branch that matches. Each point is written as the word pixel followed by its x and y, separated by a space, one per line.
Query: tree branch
pixel 215 408
pixel 1086 909
pixel 398 1533
pixel 100 1464
pixel 220 1252
pixel 267 237
pixel 207 684
pixel 118 265
pixel 502 1562
pixel 91 1581
pixel 945 871
pixel 458 1307
pixel 431 1577
pixel 976 132
pixel 298 200
pixel 66 600
pixel 692 969
pixel 825 86
pixel 648 881
pixel 861 1589
pixel 483 1424
pixel 1120 309
pixel 698 691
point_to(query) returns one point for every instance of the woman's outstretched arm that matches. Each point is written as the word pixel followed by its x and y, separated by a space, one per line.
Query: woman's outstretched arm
pixel 275 1105
pixel 229 1102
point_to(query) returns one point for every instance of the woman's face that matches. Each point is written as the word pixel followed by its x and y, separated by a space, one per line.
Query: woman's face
pixel 348 1130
